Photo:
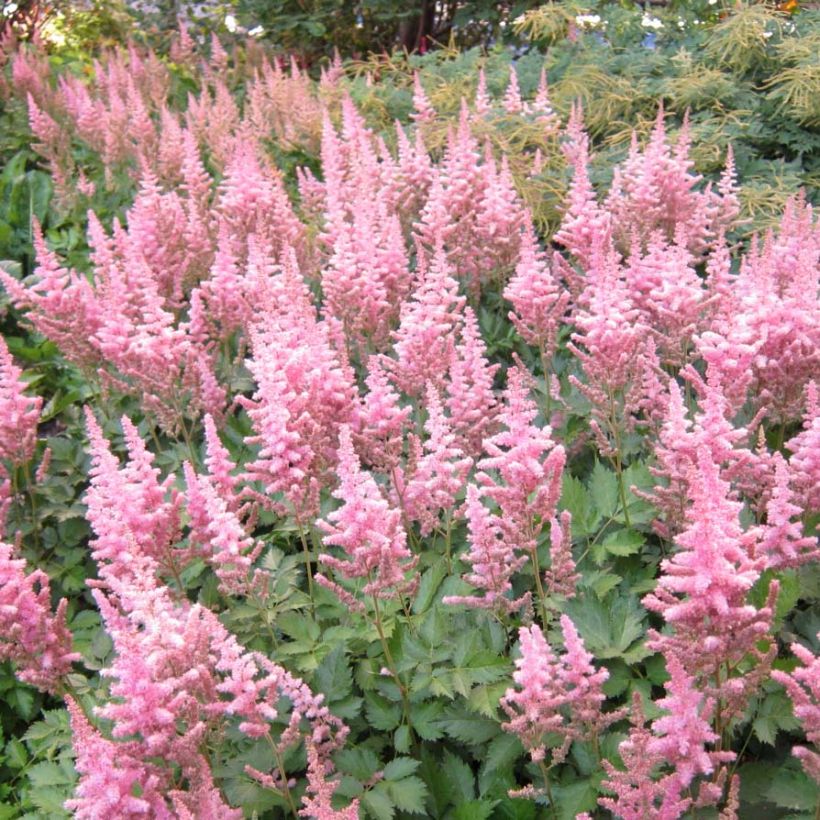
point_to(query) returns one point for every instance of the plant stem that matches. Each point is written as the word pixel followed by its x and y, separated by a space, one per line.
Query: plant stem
pixel 35 529
pixel 388 656
pixel 308 558
pixel 548 786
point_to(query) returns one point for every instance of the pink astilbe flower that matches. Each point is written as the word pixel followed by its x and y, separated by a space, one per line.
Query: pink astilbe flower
pixel 19 413
pixel 492 558
pixel 669 294
pixel 535 706
pixel 512 96
pixel 561 577
pixel 555 695
pixel 782 540
pixel 585 222
pixel 639 793
pixel 522 469
pixel 439 474
pixel 804 465
pixel 368 530
pixel 654 190
pixel 542 107
pixel 539 302
pixel 430 319
pixel 321 788
pixel 768 341
pixel 130 510
pixel 681 736
pixel 304 394
pixel 470 398
pixel 803 687
pixel 217 530
pixel 38 641
pixel 499 217
pixel 110 773
pixel 60 304
pixel 423 111
pixel 702 595
pixel 481 101
pixel 383 421
pixel 618 358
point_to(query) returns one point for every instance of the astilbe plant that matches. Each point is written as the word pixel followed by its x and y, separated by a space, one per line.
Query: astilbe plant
pixel 557 700
pixel 803 687
pixel 35 638
pixel 19 414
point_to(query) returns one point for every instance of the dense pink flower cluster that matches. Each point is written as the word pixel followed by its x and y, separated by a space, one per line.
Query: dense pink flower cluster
pixel 37 640
pixel 555 695
pixel 337 337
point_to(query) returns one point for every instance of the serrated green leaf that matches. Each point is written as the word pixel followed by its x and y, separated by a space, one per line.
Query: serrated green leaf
pixel 611 628
pixel 381 713
pixel 425 719
pixel 792 788
pixel 428 586
pixel 774 714
pixel 474 810
pixel 358 762
pixel 378 803
pixel 623 542
pixel 400 767
pixel 403 739
pixel 574 798
pixel 333 677
pixel 459 777
pixel 408 794
pixel 468 727
pixel 575 498
pixel 603 490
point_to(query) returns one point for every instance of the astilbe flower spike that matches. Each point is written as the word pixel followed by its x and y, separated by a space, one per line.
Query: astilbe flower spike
pixel 562 576
pixel 804 464
pixel 639 794
pixel 19 413
pixel 702 595
pixel 492 558
pixel 439 474
pixel 38 641
pixel 368 530
pixel 538 300
pixel 470 399
pixel 110 773
pixel 803 687
pixel 129 508
pixel 521 471
pixel 559 695
pixel 782 539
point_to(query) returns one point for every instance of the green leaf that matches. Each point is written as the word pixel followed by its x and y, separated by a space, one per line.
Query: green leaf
pixel 381 713
pixel 357 761
pixel 459 777
pixel 400 767
pixel 379 804
pixel 408 794
pixel 513 808
pixel 425 718
pixel 468 727
pixel 623 542
pixel 603 488
pixel 774 714
pixel 793 789
pixel 574 798
pixel 403 739
pixel 428 586
pixel 333 677
pixel 611 628
pixel 575 498
pixel 474 810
